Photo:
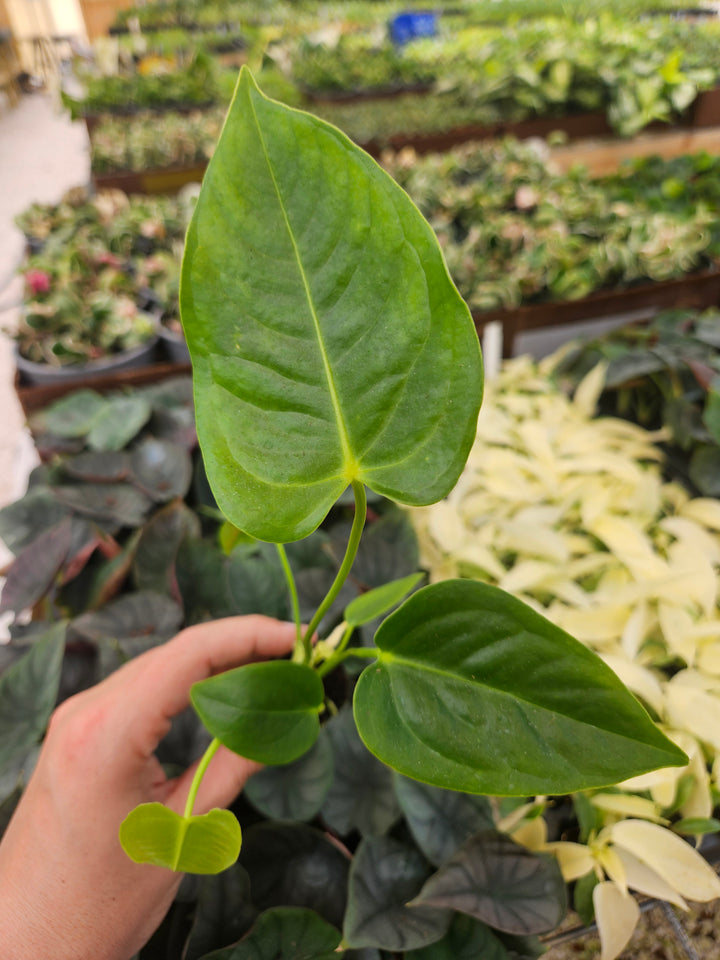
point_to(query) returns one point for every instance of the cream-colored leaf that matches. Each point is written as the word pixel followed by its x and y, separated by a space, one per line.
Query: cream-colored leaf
pixel 703 510
pixel 692 533
pixel 635 631
pixel 611 863
pixel 694 578
pixel 532 541
pixel 589 389
pixel 597 625
pixel 694 710
pixel 477 555
pixel 708 657
pixel 574 859
pixel 669 856
pixel 446 527
pixel 630 545
pixel 526 575
pixel 616 914
pixel 640 680
pixel 531 834
pixel 676 625
pixel 641 878
pixel 626 805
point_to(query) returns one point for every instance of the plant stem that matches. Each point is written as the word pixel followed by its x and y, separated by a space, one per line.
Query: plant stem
pixel 199 774
pixel 343 572
pixel 338 658
pixel 287 570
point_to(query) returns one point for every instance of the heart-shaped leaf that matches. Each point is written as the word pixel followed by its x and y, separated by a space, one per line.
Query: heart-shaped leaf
pixel 384 876
pixel 376 602
pixel 294 865
pixel 295 791
pixel 267 712
pixel 160 539
pixel 441 820
pixel 497 881
pixel 475 691
pixel 285 933
pixel 224 912
pixel 28 691
pixel 361 796
pixel 117 422
pixel 161 469
pixel 114 502
pixel 208 843
pixel 328 341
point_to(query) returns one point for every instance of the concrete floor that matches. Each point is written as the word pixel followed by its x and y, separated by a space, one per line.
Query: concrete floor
pixel 42 154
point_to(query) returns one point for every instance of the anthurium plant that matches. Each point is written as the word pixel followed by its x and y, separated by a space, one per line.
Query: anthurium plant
pixel 331 351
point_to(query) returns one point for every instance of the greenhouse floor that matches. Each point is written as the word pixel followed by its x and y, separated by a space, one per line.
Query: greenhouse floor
pixel 42 154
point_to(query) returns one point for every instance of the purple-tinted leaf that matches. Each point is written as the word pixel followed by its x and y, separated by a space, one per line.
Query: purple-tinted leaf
pixel 115 502
pixel 98 467
pixel 495 880
pixel 160 539
pixel 34 570
pixel 161 469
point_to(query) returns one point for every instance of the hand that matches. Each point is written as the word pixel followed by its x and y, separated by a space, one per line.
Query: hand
pixel 67 889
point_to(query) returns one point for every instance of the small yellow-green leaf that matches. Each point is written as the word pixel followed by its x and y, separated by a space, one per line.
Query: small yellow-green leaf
pixel 209 843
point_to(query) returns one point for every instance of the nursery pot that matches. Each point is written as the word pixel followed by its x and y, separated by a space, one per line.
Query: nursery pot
pixel 45 374
pixel 173 345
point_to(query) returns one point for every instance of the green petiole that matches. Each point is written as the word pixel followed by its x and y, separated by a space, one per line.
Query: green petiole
pixel 287 570
pixel 338 657
pixel 344 571
pixel 199 774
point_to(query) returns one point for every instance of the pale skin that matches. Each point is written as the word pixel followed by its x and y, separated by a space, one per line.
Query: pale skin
pixel 67 889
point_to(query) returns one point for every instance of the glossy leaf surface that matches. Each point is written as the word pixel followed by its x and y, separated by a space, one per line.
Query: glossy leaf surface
pixel 263 711
pixel 376 602
pixel 475 691
pixel 362 796
pixel 209 843
pixel 224 912
pixel 328 341
pixel 285 933
pixel 385 875
pixel 467 939
pixel 28 691
pixel 295 791
pixel 294 865
pixel 441 820
pixel 497 881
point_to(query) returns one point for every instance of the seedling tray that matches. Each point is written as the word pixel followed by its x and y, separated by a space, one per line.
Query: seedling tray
pixel 697 290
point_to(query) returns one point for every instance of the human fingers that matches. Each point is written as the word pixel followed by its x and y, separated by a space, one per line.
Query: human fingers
pixel 142 697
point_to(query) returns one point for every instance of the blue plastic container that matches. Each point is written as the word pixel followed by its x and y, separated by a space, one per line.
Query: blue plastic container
pixel 408 26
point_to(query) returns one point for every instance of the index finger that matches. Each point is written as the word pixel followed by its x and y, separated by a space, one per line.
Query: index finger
pixel 158 682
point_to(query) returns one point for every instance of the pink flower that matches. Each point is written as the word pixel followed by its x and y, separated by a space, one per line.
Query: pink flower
pixel 38 281
pixel 109 259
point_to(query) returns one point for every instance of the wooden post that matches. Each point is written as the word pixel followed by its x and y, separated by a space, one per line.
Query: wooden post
pixel 99 15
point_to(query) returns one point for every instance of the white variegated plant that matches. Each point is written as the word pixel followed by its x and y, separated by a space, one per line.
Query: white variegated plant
pixel 572 515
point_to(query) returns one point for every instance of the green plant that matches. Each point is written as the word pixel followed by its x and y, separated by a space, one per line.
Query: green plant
pixel 295 405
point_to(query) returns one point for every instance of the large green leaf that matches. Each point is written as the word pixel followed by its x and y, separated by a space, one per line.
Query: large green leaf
pixel 385 875
pixel 475 691
pixel 327 339
pixel 497 881
pixel 205 844
pixel 267 712
pixel 28 691
pixel 285 933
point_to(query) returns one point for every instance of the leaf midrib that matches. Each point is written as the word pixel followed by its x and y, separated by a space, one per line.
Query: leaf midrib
pixel 348 457
pixel 390 658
